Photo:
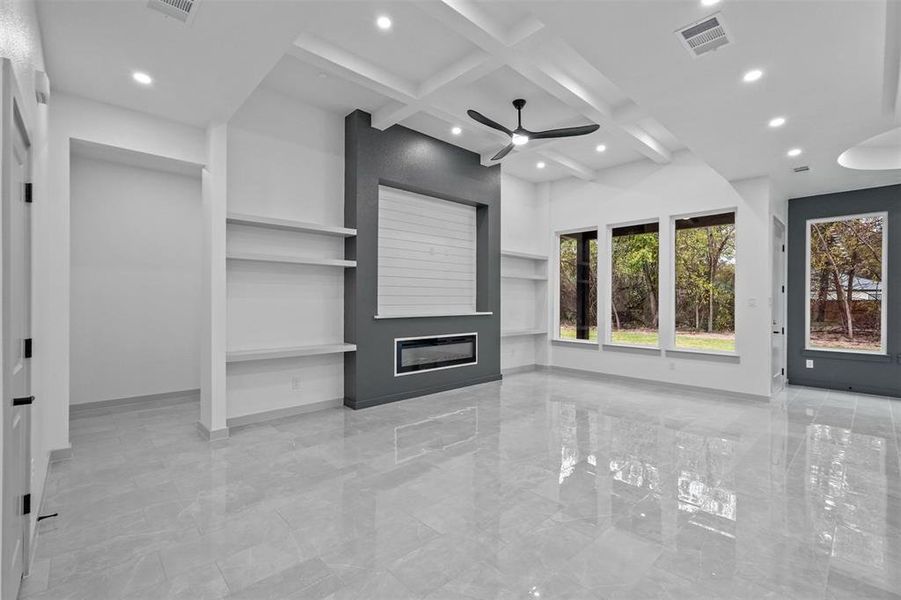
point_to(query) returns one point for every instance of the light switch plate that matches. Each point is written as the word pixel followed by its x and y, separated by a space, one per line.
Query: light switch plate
pixel 809 363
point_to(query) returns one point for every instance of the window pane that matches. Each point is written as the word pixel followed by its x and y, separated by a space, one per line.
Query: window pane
pixel 846 283
pixel 578 286
pixel 633 300
pixel 705 283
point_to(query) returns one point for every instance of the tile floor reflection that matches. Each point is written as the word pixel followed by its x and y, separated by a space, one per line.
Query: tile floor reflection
pixel 543 486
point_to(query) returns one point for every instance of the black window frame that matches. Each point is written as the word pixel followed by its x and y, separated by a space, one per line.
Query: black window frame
pixel 583 282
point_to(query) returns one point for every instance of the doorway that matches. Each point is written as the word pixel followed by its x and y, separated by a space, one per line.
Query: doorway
pixel 16 327
pixel 777 360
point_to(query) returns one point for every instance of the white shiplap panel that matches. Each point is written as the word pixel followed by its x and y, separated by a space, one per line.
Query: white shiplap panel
pixel 427 255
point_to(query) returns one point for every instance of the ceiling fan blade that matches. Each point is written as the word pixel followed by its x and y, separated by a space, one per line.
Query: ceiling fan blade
pixel 564 132
pixel 504 152
pixel 477 116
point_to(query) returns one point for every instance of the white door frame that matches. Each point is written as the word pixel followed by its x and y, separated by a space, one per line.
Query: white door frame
pixel 15 379
pixel 778 305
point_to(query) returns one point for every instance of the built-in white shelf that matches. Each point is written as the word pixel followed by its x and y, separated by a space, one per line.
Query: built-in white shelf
pixel 426 315
pixel 524 276
pixel 232 356
pixel 294 260
pixel 288 224
pixel 523 332
pixel 524 255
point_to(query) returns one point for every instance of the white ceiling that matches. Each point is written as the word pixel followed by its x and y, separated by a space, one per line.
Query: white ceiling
pixel 823 64
pixel 615 62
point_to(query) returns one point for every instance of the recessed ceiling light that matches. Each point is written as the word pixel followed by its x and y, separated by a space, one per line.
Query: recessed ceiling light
pixel 794 152
pixel 709 2
pixel 142 78
pixel 541 164
pixel 752 75
pixel 456 130
pixel 777 122
pixel 518 139
pixel 600 148
pixel 383 23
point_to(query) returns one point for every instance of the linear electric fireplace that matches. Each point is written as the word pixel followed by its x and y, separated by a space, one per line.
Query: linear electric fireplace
pixel 415 355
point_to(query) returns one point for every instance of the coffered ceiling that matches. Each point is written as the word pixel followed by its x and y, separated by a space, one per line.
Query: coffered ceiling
pixel 617 63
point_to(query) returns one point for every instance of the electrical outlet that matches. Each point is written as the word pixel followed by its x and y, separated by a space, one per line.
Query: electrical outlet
pixel 295 384
pixel 809 363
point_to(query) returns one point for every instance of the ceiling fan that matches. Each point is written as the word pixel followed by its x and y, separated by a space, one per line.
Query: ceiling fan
pixel 521 135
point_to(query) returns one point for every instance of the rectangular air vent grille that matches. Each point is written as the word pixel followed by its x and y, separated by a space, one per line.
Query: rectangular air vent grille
pixel 801 169
pixel 704 36
pixel 177 9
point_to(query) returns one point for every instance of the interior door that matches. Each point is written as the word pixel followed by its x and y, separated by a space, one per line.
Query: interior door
pixel 16 220
pixel 777 361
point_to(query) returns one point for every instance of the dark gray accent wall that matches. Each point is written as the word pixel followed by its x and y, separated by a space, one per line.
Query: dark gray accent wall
pixel 842 370
pixel 401 158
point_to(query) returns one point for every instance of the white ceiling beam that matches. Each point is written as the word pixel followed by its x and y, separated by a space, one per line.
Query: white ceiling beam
pixel 464 17
pixel 332 59
pixel 574 167
pixel 465 71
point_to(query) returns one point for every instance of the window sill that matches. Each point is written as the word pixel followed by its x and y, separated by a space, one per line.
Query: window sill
pixel 631 349
pixel 728 357
pixel 578 343
pixel 845 355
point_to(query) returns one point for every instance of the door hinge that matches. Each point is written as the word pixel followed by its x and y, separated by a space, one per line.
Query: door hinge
pixel 783 247
pixel 28 191
pixel 783 331
pixel 783 289
pixel 23 401
pixel 26 504
pixel 783 370
pixel 27 350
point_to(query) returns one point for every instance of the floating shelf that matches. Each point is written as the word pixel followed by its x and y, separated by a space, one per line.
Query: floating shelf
pixel 425 315
pixel 523 332
pixel 233 356
pixel 288 225
pixel 524 255
pixel 529 277
pixel 295 260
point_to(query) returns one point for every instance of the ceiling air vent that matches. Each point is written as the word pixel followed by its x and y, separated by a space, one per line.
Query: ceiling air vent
pixel 704 36
pixel 183 10
pixel 801 169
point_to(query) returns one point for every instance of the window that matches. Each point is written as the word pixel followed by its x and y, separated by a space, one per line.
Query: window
pixel 705 283
pixel 846 283
pixel 579 286
pixel 633 285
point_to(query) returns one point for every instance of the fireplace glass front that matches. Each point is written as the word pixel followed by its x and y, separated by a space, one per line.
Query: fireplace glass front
pixel 414 355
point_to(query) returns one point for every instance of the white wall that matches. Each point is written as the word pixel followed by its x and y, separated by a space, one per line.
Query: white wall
pixel 21 43
pixel 524 222
pixel 285 159
pixel 80 119
pixel 645 191
pixel 135 281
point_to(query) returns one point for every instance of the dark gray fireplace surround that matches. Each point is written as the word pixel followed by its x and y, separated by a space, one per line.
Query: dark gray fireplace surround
pixel 404 159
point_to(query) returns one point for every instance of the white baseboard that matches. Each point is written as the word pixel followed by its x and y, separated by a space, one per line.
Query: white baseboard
pixel 279 413
pixel 683 386
pixel 211 436
pixel 60 454
pixel 520 369
pixel 133 402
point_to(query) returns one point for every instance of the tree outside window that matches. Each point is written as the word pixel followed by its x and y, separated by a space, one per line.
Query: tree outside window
pixel 634 292
pixel 846 286
pixel 705 282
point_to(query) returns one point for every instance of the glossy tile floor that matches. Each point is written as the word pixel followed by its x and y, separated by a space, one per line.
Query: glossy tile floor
pixel 543 486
